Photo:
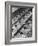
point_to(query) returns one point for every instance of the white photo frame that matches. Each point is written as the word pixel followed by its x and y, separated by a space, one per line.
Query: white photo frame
pixel 9 6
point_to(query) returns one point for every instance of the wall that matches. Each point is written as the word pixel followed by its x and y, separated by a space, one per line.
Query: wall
pixel 2 23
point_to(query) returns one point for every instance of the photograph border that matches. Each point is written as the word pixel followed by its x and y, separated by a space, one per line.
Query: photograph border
pixel 7 20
